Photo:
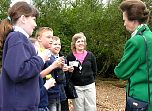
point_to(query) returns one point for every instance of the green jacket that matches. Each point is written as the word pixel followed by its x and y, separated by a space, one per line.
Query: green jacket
pixel 133 64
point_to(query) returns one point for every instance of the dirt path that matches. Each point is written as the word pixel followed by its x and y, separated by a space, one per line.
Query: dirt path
pixel 109 96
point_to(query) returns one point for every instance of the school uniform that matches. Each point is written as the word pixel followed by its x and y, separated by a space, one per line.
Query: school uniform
pixel 43 105
pixel 56 94
pixel 19 87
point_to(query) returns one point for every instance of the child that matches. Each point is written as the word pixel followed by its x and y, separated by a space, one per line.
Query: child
pixel 43 105
pixel 57 94
pixel 44 39
pixel 42 43
pixel 19 88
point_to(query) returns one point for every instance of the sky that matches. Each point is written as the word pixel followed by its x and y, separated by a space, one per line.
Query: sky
pixel 14 1
pixel 104 1
pixel 30 1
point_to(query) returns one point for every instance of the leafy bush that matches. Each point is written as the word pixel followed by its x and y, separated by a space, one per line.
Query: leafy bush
pixel 101 24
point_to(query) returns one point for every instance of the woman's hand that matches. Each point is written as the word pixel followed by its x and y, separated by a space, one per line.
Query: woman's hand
pixel 70 68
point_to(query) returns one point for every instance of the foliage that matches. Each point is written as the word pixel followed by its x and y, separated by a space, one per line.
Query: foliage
pixel 102 25
pixel 4 4
pixel 3 14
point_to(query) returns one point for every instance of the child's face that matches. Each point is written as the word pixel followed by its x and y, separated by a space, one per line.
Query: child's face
pixel 45 39
pixel 29 25
pixel 55 46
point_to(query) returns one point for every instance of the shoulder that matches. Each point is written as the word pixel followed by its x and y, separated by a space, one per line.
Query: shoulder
pixel 70 54
pixel 70 57
pixel 15 38
pixel 15 35
pixel 135 41
pixel 90 53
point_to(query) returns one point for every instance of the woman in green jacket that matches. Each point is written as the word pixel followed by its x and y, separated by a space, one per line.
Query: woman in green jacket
pixel 133 66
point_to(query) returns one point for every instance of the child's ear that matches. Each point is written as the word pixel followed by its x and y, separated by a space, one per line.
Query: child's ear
pixel 23 19
pixel 39 39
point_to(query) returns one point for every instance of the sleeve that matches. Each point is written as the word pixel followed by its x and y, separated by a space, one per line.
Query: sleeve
pixel 94 65
pixel 20 64
pixel 43 92
pixel 68 74
pixel 130 60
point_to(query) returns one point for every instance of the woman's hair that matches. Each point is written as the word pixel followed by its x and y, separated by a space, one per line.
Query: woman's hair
pixel 41 30
pixel 135 10
pixel 75 38
pixel 14 13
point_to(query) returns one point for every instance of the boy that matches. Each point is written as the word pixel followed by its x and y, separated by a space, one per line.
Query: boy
pixel 44 39
pixel 57 94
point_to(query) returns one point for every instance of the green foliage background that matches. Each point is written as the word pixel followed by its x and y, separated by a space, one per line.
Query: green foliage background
pixel 102 25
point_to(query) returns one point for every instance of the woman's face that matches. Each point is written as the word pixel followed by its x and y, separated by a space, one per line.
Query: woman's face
pixel 130 25
pixel 80 44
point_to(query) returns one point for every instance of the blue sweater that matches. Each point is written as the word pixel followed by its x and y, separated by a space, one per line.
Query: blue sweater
pixel 43 94
pixel 19 87
pixel 56 93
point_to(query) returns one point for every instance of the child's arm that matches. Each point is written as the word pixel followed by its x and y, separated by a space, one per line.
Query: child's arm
pixel 54 65
pixel 68 68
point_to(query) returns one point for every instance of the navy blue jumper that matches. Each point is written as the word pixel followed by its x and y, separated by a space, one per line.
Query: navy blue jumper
pixel 19 81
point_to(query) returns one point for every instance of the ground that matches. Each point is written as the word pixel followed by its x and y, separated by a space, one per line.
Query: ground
pixel 110 95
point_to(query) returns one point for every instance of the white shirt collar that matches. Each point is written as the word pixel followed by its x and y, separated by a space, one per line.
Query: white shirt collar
pixel 19 29
pixel 55 55
pixel 136 30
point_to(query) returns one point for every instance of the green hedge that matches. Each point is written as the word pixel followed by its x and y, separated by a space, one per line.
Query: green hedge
pixel 102 25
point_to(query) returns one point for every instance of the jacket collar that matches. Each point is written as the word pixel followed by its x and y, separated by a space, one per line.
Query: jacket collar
pixel 140 29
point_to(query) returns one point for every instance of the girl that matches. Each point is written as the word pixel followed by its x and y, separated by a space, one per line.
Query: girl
pixel 19 87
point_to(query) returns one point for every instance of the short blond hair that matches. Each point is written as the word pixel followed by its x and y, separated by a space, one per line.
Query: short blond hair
pixel 55 38
pixel 41 30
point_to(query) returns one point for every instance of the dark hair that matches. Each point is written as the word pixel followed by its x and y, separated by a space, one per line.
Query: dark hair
pixel 135 10
pixel 14 13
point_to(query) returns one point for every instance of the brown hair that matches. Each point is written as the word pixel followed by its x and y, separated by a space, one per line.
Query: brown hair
pixel 75 38
pixel 14 13
pixel 135 10
pixel 41 30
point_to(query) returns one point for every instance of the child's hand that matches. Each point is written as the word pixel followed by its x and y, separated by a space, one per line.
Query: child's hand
pixel 58 62
pixel 49 83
